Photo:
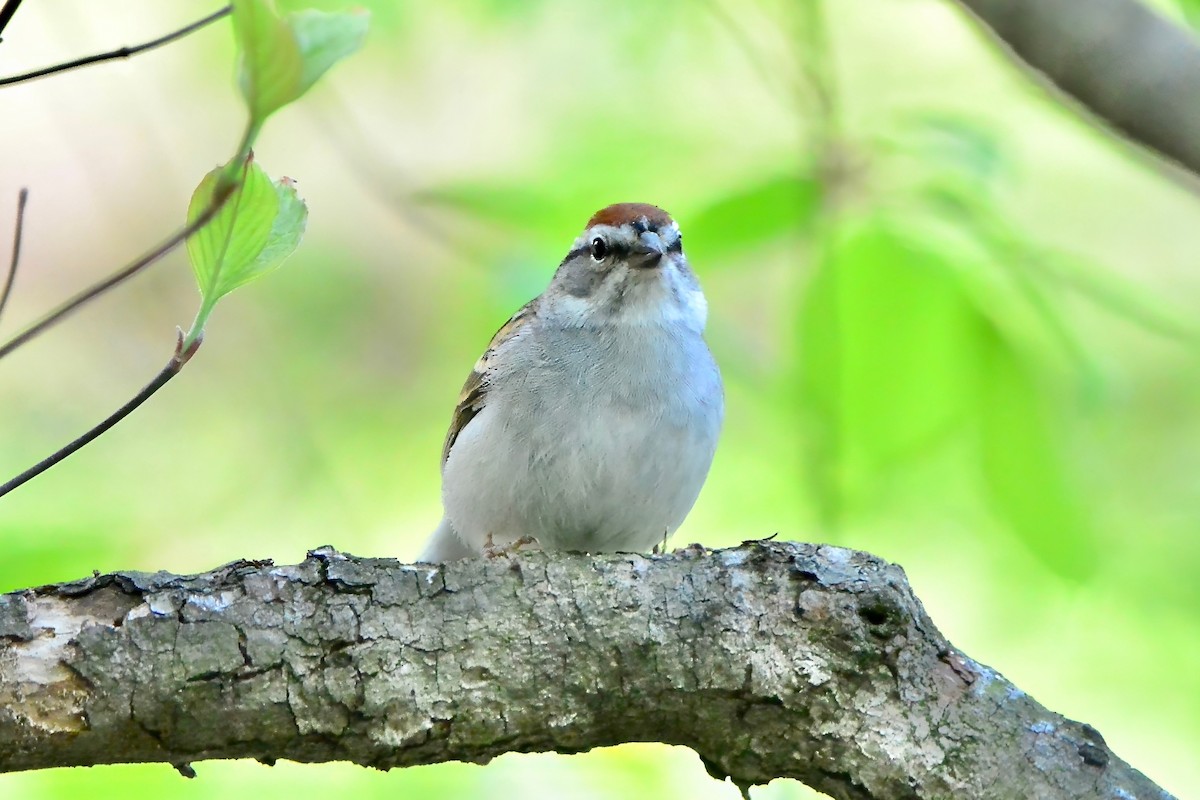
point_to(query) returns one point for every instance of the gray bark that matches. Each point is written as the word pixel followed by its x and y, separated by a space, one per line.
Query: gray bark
pixel 1130 67
pixel 770 660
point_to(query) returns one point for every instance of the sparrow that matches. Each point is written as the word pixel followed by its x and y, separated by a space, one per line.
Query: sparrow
pixel 591 420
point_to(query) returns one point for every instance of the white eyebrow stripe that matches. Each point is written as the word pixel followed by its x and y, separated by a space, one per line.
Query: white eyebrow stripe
pixel 624 233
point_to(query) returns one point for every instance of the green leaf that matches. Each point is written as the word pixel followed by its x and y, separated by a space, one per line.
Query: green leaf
pixel 754 216
pixel 324 39
pixel 271 67
pixel 1024 471
pixel 282 58
pixel 257 228
pixel 889 342
pixel 226 248
pixel 284 238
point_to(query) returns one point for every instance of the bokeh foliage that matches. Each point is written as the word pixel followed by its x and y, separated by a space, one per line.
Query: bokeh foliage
pixel 956 326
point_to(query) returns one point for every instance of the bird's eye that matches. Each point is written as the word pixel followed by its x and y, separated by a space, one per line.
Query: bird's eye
pixel 599 248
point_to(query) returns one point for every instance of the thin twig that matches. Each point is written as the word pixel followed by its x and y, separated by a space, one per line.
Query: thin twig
pixel 172 369
pixel 16 249
pixel 6 14
pixel 103 286
pixel 124 52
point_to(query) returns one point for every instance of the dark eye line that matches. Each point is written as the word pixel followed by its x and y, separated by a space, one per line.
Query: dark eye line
pixel 617 249
pixel 577 252
pixel 614 249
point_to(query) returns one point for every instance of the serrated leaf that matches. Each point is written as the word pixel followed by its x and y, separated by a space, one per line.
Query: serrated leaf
pixel 1024 471
pixel 282 241
pixel 271 66
pixel 231 242
pixel 324 39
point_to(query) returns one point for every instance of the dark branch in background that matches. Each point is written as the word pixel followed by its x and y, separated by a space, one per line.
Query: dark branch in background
pixel 123 52
pixel 181 356
pixel 223 191
pixel 1132 68
pixel 22 197
pixel 6 15
pixel 91 293
pixel 772 659
pixel 172 369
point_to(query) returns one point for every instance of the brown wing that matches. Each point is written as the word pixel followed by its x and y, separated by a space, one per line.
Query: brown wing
pixel 473 396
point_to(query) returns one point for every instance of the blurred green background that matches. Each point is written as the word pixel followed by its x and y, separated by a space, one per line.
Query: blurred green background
pixel 956 324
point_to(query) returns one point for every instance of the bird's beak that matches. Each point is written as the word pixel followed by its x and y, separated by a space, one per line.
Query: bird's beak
pixel 648 251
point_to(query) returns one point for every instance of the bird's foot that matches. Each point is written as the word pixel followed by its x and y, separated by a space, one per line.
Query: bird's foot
pixel 661 548
pixel 493 550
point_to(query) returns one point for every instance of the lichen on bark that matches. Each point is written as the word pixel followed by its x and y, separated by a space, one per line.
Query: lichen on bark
pixel 771 659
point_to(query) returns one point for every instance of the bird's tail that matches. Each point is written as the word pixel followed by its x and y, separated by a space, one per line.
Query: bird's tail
pixel 444 545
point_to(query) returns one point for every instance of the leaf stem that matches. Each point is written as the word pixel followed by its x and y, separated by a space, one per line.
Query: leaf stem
pixel 22 196
pixel 220 197
pixel 122 52
pixel 195 334
pixel 181 356
pixel 245 151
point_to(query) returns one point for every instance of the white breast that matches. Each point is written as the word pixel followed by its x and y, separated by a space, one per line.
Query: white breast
pixel 599 453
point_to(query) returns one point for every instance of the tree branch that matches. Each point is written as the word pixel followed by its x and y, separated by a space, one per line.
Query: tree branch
pixel 120 52
pixel 180 357
pixel 220 196
pixel 770 660
pixel 22 198
pixel 6 14
pixel 1133 69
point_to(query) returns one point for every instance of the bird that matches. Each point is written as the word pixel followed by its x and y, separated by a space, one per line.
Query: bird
pixel 591 420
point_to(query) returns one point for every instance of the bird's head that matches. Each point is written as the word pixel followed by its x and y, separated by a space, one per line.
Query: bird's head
pixel 627 267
